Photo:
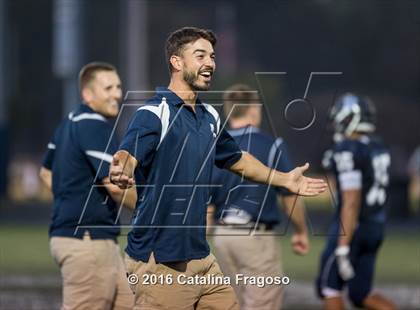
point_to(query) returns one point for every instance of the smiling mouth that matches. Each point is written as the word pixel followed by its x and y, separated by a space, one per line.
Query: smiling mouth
pixel 206 74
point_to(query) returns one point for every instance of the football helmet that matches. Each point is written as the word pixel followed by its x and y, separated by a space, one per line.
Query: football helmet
pixel 353 113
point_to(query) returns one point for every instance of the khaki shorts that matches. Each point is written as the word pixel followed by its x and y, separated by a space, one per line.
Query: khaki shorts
pixel 158 286
pixel 93 274
pixel 258 256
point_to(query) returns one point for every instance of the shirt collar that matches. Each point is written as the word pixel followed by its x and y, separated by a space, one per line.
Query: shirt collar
pixel 171 97
pixel 84 108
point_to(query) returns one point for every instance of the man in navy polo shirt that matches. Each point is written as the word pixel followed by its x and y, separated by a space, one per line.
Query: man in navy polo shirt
pixel 173 141
pixel 247 213
pixel 84 225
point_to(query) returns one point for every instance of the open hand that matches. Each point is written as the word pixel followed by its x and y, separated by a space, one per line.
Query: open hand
pixel 304 186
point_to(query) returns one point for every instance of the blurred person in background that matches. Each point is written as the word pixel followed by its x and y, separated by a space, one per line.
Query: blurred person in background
pixel 84 228
pixel 241 207
pixel 414 174
pixel 360 163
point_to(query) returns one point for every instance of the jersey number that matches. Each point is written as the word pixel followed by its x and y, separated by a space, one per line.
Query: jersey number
pixel 377 193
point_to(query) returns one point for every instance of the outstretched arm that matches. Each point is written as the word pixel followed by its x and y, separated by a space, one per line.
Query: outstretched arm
pixel 254 170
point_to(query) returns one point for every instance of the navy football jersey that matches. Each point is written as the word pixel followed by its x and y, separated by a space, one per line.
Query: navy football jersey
pixel 361 164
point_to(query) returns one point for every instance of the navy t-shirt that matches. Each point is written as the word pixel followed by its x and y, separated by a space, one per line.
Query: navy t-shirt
pixel 176 149
pixel 79 156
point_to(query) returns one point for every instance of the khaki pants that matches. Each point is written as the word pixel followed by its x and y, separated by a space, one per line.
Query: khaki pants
pixel 93 274
pixel 250 256
pixel 172 294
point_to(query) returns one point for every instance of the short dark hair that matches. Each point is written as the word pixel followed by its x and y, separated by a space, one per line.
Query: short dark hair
pixel 179 38
pixel 88 72
pixel 240 94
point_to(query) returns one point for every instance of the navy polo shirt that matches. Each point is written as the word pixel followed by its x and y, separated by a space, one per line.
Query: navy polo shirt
pixel 259 201
pixel 79 156
pixel 176 149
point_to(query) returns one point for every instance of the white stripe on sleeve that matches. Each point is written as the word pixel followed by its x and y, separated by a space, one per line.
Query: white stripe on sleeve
pixel 162 111
pixel 215 115
pixel 100 155
pixel 350 180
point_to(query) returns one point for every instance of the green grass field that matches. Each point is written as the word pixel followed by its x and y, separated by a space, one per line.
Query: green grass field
pixel 24 250
pixel 398 261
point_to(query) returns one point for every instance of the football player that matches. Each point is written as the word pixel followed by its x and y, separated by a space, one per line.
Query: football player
pixel 360 163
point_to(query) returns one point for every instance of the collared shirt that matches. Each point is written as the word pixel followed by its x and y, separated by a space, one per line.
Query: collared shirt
pixel 176 149
pixel 236 194
pixel 79 156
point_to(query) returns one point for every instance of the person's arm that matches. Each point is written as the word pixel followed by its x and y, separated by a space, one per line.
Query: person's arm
pixel 94 140
pixel 295 210
pixel 125 197
pixel 46 177
pixel 45 172
pixel 253 170
pixel 349 165
pixel 349 215
pixel 210 217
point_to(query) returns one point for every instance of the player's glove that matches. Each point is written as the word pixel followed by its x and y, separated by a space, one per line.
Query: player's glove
pixel 345 269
